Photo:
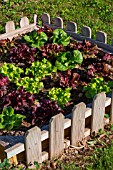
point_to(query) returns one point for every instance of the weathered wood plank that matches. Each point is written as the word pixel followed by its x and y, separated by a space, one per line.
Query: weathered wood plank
pixel 108 101
pixel 24 22
pixel 88 112
pixel 87 132
pixel 86 31
pixel 98 111
pixel 67 123
pixel 14 150
pixel 101 36
pixel 33 146
pixel 56 136
pixel 15 33
pixel 10 26
pixel 58 22
pixel 45 19
pixel 12 140
pixel 45 156
pixel 72 26
pixel 78 123
pixel 111 112
pixel 35 18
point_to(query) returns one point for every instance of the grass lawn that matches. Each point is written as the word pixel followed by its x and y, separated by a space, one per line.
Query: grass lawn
pixel 97 14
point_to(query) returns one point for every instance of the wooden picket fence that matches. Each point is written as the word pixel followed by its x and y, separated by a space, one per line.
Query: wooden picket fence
pixel 49 142
pixel 86 33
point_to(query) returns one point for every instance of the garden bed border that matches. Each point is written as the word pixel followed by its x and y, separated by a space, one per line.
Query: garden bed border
pixel 47 144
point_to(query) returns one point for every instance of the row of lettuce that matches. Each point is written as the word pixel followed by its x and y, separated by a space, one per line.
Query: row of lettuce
pixel 27 71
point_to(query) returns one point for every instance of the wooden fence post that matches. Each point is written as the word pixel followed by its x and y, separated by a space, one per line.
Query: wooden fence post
pixel 58 22
pixel 98 111
pixel 86 31
pixel 111 111
pixel 78 123
pixel 101 36
pixel 45 19
pixel 10 26
pixel 33 146
pixel 72 26
pixel 35 18
pixel 24 22
pixel 56 136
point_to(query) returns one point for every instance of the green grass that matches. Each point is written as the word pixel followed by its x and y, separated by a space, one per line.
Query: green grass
pixel 102 159
pixel 97 14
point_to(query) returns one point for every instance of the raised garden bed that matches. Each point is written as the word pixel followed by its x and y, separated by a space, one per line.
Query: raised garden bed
pixel 44 74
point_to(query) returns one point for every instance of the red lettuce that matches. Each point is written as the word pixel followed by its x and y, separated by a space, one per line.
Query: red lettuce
pixel 69 79
pixel 22 54
pixel 18 99
pixel 44 111
pixel 50 50
pixel 4 82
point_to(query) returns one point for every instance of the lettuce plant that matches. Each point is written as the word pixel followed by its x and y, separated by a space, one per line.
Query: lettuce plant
pixel 96 86
pixel 60 37
pixel 88 49
pixel 32 85
pixel 50 50
pixel 22 54
pixel 41 69
pixel 60 96
pixel 19 99
pixel 35 39
pixel 5 46
pixel 69 79
pixel 9 119
pixel 108 57
pixel 93 69
pixel 108 65
pixel 68 60
pixel 4 82
pixel 11 71
pixel 45 110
